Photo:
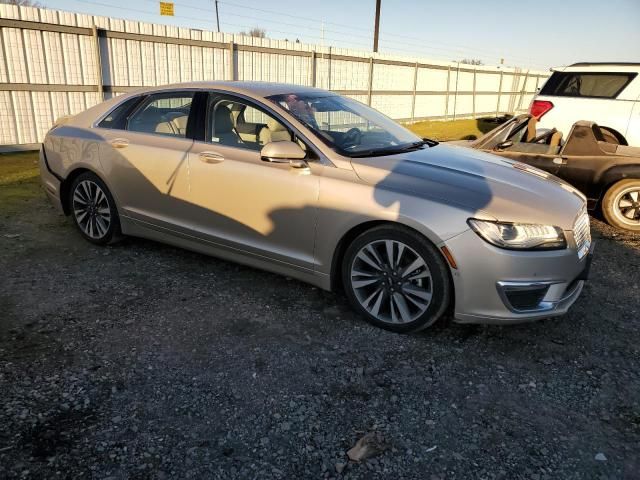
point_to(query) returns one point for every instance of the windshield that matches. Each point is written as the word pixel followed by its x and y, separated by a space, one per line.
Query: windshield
pixel 347 126
pixel 514 130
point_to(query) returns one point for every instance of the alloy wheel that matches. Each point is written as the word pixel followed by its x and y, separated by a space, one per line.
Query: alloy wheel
pixel 628 205
pixel 91 209
pixel 391 281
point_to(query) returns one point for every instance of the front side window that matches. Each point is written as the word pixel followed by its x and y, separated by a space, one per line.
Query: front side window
pixel 587 84
pixel 163 114
pixel 347 126
pixel 234 123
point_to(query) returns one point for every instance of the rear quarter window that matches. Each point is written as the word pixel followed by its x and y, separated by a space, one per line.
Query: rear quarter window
pixel 587 84
pixel 117 118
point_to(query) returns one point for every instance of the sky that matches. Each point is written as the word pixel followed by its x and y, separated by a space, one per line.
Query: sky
pixel 536 35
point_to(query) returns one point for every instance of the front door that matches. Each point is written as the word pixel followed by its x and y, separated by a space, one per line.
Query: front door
pixel 243 202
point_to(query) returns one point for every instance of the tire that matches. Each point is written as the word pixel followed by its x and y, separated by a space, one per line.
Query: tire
pixel 621 205
pixel 406 294
pixel 93 210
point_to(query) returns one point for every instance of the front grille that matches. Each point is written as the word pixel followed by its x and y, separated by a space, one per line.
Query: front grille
pixel 582 234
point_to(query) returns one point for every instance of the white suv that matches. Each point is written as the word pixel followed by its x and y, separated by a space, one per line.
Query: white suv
pixel 605 93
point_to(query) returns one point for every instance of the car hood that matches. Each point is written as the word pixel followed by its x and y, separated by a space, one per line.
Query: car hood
pixel 487 185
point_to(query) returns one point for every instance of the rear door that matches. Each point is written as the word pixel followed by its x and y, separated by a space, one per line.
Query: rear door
pixel 145 159
pixel 592 96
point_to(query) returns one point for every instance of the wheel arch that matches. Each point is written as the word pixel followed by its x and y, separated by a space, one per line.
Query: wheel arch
pixel 355 231
pixel 619 137
pixel 612 176
pixel 65 185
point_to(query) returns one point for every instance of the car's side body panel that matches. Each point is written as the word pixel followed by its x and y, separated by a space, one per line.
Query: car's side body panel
pixel 241 201
pixel 149 177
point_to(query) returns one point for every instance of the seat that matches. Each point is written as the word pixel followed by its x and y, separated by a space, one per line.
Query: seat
pixel 531 129
pixel 554 142
pixel 274 132
pixel 224 131
pixel 178 122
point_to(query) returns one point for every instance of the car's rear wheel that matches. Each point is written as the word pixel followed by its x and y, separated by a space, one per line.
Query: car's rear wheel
pixel 93 209
pixel 621 205
pixel 396 279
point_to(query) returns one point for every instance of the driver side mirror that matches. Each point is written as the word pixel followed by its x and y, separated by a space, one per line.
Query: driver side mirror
pixel 284 152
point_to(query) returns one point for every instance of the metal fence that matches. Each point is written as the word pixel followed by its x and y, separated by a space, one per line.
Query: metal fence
pixel 55 63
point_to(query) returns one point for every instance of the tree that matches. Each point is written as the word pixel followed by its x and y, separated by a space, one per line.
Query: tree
pixel 22 3
pixel 255 32
pixel 471 61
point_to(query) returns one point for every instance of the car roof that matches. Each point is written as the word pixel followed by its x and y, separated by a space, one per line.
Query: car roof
pixel 254 89
pixel 599 67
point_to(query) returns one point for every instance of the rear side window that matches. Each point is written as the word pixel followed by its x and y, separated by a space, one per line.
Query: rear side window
pixel 117 118
pixel 163 114
pixel 587 84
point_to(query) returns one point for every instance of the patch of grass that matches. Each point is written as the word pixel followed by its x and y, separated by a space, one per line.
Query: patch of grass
pixel 19 182
pixel 466 129
pixel 16 167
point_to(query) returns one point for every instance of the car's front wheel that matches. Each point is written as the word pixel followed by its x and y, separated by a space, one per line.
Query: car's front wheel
pixel 396 279
pixel 621 205
pixel 93 209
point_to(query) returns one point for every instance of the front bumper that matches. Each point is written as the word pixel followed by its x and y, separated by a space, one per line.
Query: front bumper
pixel 493 285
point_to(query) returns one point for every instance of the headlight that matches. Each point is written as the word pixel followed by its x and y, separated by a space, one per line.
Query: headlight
pixel 520 236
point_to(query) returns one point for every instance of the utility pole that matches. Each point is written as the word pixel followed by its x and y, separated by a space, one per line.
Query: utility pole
pixel 217 17
pixel 377 27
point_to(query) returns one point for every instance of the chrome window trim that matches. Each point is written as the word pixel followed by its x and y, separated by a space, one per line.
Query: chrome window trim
pixel 125 97
pixel 322 159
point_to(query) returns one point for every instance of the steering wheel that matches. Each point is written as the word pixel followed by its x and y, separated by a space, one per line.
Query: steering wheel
pixel 352 138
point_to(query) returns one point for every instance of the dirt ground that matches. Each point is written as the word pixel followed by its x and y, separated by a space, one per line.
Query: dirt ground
pixel 145 361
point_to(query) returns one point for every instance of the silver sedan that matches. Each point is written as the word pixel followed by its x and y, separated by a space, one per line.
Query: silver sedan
pixel 320 187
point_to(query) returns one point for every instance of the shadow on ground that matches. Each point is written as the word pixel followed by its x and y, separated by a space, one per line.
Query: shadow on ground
pixel 141 360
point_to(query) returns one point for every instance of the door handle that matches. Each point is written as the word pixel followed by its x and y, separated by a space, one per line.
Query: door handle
pixel 210 157
pixel 560 160
pixel 119 143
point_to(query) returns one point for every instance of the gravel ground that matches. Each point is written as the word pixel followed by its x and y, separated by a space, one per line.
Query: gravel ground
pixel 145 361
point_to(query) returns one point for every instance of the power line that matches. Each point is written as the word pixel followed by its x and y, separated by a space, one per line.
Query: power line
pixel 449 47
pixel 410 49
pixel 236 5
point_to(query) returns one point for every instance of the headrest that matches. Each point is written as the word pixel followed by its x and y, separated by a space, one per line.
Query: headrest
pixel 222 120
pixel 275 126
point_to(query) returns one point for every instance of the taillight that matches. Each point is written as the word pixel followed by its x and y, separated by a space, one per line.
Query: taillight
pixel 539 108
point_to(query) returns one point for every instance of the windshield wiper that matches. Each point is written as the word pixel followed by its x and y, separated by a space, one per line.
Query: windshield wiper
pixel 394 150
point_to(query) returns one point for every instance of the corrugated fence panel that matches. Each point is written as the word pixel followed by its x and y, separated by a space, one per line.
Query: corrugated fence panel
pixel 430 106
pixel 15 55
pixel 23 111
pixel 8 132
pixel 63 50
pixel 432 80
